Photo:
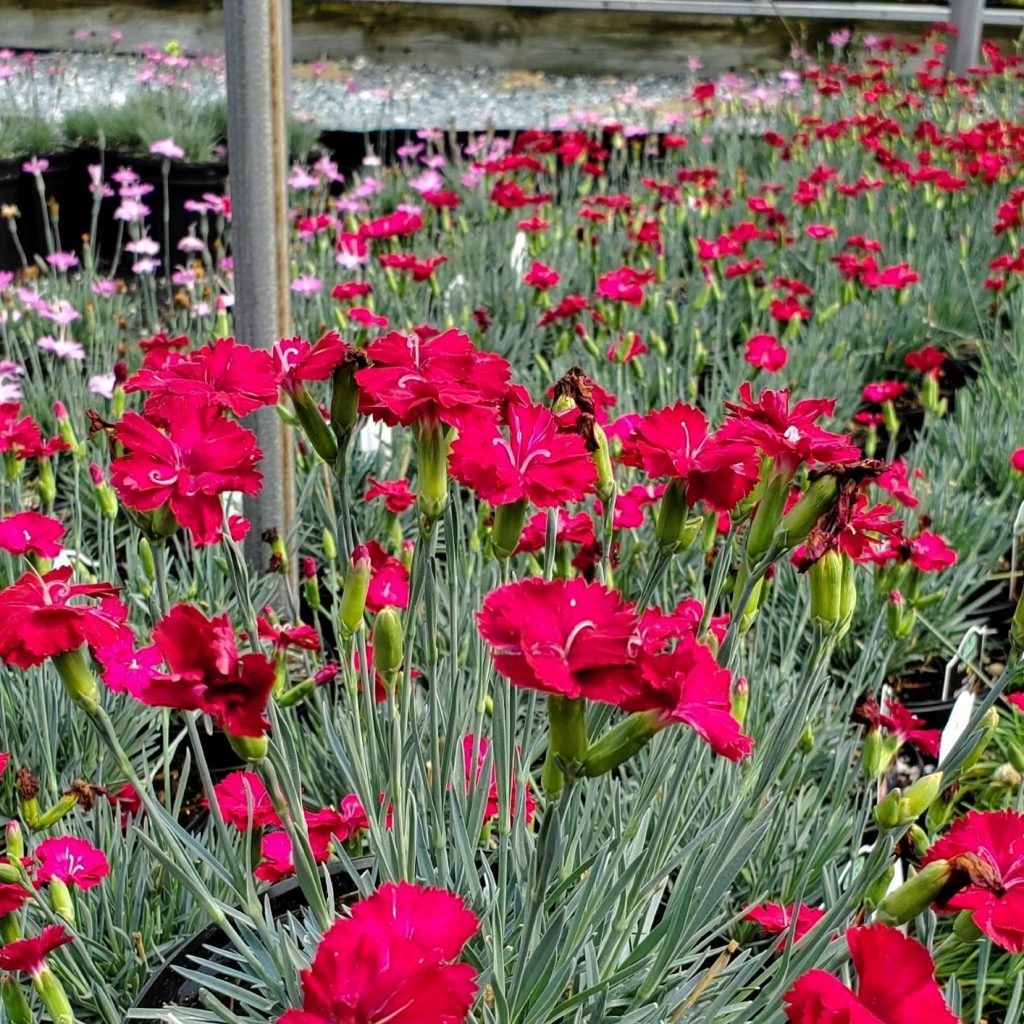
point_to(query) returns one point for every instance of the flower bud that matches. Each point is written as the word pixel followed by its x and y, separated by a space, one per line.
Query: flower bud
pixel 353 596
pixel 388 641
pixel 432 471
pixel 672 518
pixel 740 700
pixel 825 578
pixel 605 487
pixel 15 1002
pixel 344 400
pixel 915 895
pixel 320 435
pixel 79 682
pixel 46 486
pixel 147 560
pixel 801 518
pixel 53 996
pixel 49 818
pixel 767 517
pixel 887 810
pixel 330 548
pixel 806 742
pixel 15 849
pixel 919 840
pixel 965 929
pixel 878 753
pixel 250 749
pixel 1007 775
pixel 60 900
pixel 921 795
pixel 508 527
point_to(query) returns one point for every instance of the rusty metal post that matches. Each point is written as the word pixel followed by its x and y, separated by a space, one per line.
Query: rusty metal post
pixel 257 50
pixel 967 16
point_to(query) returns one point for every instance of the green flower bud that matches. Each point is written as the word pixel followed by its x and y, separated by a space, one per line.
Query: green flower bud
pixel 825 578
pixel 49 818
pixel 801 518
pixel 508 527
pixel 920 797
pixel 53 996
pixel 388 642
pixel 887 811
pixel 330 548
pixel 79 682
pixel 806 742
pixel 344 400
pixel 740 700
pixel 353 596
pixel 251 749
pixel 15 841
pixel 13 995
pixel 878 753
pixel 919 839
pixel 320 435
pixel 432 471
pixel 672 518
pixel 605 488
pixel 60 900
pixel 620 743
pixel 767 517
pixel 915 895
pixel 45 483
pixel 965 929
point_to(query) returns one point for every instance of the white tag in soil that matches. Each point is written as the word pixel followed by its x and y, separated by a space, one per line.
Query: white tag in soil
pixel 959 718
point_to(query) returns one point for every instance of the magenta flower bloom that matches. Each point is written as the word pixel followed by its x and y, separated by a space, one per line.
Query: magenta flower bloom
pixel 392 962
pixel 199 457
pixel 30 955
pixel 536 462
pixel 297 361
pixel 777 919
pixel 624 285
pixel 541 276
pixel 167 148
pixel 895 985
pixel 206 673
pixel 31 533
pixel 788 435
pixel 988 847
pixel 569 638
pixel 675 443
pixel 223 374
pixel 443 380
pixel 884 391
pixel 764 351
pixel 396 493
pixel 242 794
pixel 71 860
pixel 38 620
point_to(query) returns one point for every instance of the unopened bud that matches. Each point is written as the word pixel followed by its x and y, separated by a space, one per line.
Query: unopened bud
pixel 825 578
pixel 672 518
pixel 921 795
pixel 605 487
pixel 344 400
pixel 431 471
pixel 330 548
pixel 879 888
pixel 146 558
pixel 353 596
pixel 46 485
pixel 915 895
pixel 965 929
pixel 767 517
pixel 15 841
pixel 388 642
pixel 801 518
pixel 919 840
pixel 806 742
pixel 878 753
pixel 508 527
pixel 250 749
pixel 15 1002
pixel 320 435
pixel 740 700
pixel 60 900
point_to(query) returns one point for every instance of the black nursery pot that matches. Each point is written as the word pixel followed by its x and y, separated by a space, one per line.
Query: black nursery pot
pixel 167 987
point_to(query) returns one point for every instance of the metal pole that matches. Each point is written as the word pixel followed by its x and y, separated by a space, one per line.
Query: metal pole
pixel 967 16
pixel 256 36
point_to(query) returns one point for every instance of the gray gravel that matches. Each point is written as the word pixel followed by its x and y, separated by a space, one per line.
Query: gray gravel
pixel 360 95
